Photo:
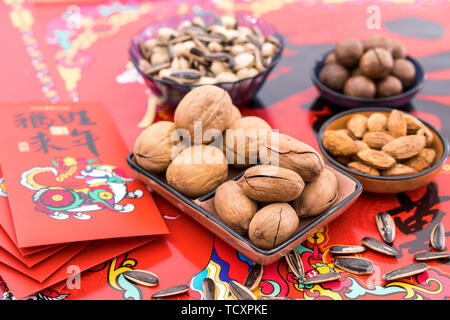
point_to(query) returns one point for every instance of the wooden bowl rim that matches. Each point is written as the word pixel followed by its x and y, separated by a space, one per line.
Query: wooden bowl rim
pixel 335 163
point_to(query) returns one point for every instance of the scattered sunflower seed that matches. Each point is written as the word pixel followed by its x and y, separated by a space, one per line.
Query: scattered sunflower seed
pixel 354 265
pixel 379 246
pixel 171 291
pixel 437 238
pixel 431 255
pixel 143 277
pixel 347 249
pixel 240 292
pixel 385 226
pixel 209 289
pixel 322 277
pixel 406 271
pixel 254 277
pixel 294 262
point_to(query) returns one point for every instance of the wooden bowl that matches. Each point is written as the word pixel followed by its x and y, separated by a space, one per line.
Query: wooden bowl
pixel 202 210
pixel 381 184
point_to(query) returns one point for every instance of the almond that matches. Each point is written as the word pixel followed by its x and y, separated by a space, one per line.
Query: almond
pixel 338 143
pixel 377 139
pixel 412 123
pixel 404 147
pixel 396 124
pixel 398 170
pixel 376 159
pixel 424 131
pixel 363 168
pixel 377 122
pixel 357 125
pixel 423 160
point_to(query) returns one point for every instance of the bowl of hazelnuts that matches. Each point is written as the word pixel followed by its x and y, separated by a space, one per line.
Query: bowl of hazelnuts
pixel 376 72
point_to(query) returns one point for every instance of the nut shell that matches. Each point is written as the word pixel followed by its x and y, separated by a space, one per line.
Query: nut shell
pixel 197 170
pixel 207 105
pixel 317 196
pixel 233 207
pixel 292 154
pixel 154 145
pixel 266 183
pixel 273 225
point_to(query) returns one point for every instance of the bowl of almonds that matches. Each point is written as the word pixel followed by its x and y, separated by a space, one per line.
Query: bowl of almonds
pixel 387 150
pixel 235 52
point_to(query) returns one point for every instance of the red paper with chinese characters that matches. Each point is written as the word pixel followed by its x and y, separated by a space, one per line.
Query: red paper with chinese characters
pixel 67 178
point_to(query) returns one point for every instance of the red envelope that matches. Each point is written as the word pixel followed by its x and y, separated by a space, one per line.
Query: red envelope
pixel 67 178
pixel 7 244
pixel 7 224
pixel 44 269
pixel 96 252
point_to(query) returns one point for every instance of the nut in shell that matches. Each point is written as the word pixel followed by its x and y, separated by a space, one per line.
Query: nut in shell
pixel 354 265
pixel 398 170
pixel 377 122
pixel 273 225
pixel 406 271
pixel 233 207
pixel 385 226
pixel 154 147
pixel 437 237
pixel 318 195
pixel 204 108
pixel 268 183
pixel 377 139
pixel 287 152
pixel 197 170
pixel 363 168
pixel 242 140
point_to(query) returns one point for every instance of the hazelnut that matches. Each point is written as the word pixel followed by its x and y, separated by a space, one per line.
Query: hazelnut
pixel 348 52
pixel 389 86
pixel 405 71
pixel 376 41
pixel 376 63
pixel 360 87
pixel 334 76
pixel 398 50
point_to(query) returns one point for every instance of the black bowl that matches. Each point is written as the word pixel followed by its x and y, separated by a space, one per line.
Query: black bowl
pixel 340 99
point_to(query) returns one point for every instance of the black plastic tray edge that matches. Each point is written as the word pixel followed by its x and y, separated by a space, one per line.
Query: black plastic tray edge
pixel 312 225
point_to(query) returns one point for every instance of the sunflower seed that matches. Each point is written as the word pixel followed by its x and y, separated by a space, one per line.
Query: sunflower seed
pixel 385 226
pixel 254 277
pixel 187 75
pixel 240 292
pixel 347 249
pixel 437 238
pixel 407 271
pixel 171 291
pixel 294 262
pixel 379 246
pixel 209 289
pixel 143 277
pixel 354 265
pixel 322 277
pixel 431 255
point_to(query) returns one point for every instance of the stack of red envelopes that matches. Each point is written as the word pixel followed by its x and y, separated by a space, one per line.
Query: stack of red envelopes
pixel 67 199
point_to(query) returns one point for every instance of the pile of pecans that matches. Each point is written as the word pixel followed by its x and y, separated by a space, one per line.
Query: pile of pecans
pixel 198 52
